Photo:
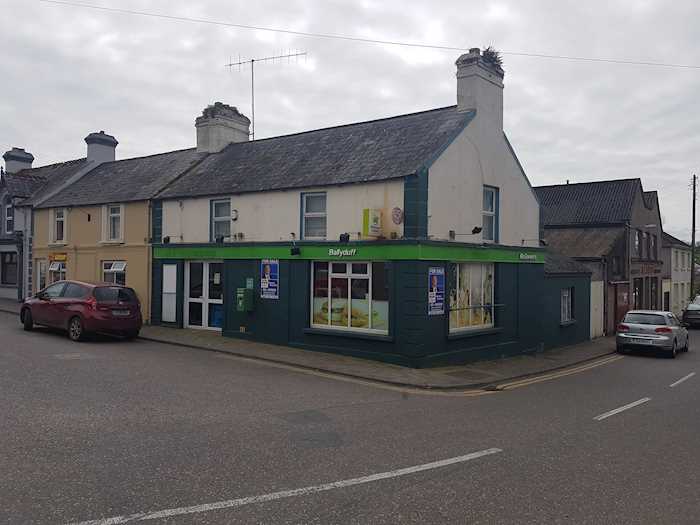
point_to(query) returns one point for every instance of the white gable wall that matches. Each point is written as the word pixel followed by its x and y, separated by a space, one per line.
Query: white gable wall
pixel 480 156
pixel 272 216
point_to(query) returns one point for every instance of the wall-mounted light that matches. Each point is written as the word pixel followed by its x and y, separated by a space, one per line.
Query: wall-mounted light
pixel 344 237
pixel 219 239
pixel 166 240
pixel 476 230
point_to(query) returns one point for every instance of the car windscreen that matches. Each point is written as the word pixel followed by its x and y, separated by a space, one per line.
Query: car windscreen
pixel 693 306
pixel 114 294
pixel 634 318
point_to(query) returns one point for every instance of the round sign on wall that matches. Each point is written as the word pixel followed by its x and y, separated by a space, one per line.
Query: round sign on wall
pixel 397 215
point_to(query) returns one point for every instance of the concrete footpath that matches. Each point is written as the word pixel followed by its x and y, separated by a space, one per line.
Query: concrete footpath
pixel 479 375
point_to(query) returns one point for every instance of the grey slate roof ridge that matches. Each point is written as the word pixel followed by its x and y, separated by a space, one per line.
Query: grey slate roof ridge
pixel 87 168
pixel 44 174
pixel 559 264
pixel 674 240
pixel 327 158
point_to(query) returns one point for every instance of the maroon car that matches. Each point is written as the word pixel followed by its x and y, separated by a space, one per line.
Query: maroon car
pixel 83 308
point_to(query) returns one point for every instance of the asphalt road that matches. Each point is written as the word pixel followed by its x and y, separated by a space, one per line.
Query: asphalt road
pixel 108 429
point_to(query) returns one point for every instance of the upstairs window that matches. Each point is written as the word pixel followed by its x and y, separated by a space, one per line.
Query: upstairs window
pixel 653 253
pixel 9 217
pixel 220 219
pixel 58 226
pixel 113 223
pixel 489 214
pixel 313 211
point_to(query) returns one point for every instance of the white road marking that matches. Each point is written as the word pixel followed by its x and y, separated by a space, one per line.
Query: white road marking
pixel 601 417
pixel 682 379
pixel 167 513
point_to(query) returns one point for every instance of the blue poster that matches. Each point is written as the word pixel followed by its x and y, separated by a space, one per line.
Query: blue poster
pixel 436 291
pixel 270 279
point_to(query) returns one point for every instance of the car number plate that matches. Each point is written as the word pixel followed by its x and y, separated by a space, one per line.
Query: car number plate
pixel 642 342
pixel 120 313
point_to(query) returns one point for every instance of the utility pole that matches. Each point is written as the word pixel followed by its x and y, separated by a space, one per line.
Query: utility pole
pixel 692 244
pixel 252 62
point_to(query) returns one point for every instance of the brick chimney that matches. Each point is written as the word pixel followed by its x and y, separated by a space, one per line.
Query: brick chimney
pixel 480 87
pixel 101 147
pixel 17 159
pixel 220 125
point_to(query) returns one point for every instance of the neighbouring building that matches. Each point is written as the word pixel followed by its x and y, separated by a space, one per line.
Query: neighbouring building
pixel 96 227
pixel 676 279
pixel 613 228
pixel 412 239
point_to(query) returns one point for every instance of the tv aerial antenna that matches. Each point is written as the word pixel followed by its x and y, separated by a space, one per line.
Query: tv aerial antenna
pixel 252 62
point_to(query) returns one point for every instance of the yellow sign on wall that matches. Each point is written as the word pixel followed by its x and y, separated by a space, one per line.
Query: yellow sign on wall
pixel 371 222
pixel 58 257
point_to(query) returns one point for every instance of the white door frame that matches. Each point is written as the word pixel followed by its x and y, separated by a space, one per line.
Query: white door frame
pixel 205 301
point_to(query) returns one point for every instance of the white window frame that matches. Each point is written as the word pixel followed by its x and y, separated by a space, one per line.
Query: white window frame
pixel 107 214
pixel 113 268
pixel 348 276
pixel 53 230
pixel 214 219
pixel 9 218
pixel 305 215
pixel 490 213
pixel 483 303
pixel 204 300
pixel 56 267
pixel 567 305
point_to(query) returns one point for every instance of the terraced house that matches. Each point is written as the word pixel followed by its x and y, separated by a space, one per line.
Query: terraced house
pixel 412 239
pixel 96 227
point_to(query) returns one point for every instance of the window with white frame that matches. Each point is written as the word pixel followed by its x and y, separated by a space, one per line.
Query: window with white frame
pixel 313 211
pixel 489 214
pixel 675 259
pixel 350 296
pixel 113 223
pixel 57 271
pixel 471 296
pixel 9 217
pixel 220 219
pixel 58 226
pixel 114 272
pixel 567 305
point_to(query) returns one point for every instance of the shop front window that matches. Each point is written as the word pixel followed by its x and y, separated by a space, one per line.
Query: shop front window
pixel 350 296
pixel 471 296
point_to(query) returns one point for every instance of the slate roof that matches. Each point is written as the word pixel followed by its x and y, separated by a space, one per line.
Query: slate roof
pixel 670 240
pixel 555 263
pixel 27 182
pixel 54 175
pixel 583 242
pixel 125 180
pixel 604 202
pixel 362 152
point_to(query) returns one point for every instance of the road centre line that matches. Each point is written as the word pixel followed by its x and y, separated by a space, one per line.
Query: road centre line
pixel 605 415
pixel 239 502
pixel 684 378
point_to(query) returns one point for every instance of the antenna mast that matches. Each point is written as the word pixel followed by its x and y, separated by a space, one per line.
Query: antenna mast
pixel 252 62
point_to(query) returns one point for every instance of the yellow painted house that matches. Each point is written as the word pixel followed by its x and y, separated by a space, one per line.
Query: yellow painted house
pixel 97 227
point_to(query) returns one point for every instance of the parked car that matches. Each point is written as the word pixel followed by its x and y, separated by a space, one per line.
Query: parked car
pixel 691 315
pixel 83 308
pixel 652 329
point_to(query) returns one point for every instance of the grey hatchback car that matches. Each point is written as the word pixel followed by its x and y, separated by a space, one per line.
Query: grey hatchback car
pixel 652 329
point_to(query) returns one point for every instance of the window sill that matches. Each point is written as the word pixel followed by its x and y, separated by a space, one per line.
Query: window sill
pixel 474 333
pixel 57 244
pixel 349 333
pixel 567 323
pixel 111 242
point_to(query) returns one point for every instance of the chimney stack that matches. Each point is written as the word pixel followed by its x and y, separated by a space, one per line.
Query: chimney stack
pixel 220 125
pixel 17 159
pixel 480 86
pixel 101 147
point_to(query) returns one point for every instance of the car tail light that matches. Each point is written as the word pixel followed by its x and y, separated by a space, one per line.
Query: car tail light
pixel 663 330
pixel 92 303
pixel 623 328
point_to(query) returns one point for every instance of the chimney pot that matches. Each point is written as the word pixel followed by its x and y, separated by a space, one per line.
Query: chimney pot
pixel 220 125
pixel 101 147
pixel 17 159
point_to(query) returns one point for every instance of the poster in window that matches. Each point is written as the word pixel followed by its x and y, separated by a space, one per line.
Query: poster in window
pixel 269 279
pixel 436 291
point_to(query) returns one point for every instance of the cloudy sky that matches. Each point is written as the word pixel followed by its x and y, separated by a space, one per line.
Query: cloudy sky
pixel 68 71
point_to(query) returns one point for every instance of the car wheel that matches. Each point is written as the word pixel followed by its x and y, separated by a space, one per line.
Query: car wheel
pixel 674 350
pixel 76 331
pixel 27 321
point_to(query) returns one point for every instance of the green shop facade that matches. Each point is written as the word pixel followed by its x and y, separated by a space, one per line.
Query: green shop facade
pixel 417 303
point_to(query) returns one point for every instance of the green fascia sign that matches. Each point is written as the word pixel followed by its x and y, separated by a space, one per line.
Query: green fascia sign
pixel 358 252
